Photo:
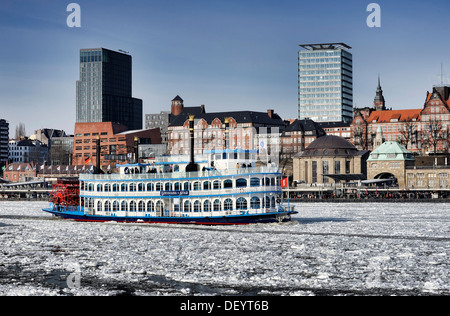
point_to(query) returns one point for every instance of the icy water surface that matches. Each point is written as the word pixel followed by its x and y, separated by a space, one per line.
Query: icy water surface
pixel 329 249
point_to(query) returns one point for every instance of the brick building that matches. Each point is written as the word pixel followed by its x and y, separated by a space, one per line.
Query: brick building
pixel 248 130
pixel 421 131
pixel 19 172
pixel 116 142
pixel 298 135
pixel 340 129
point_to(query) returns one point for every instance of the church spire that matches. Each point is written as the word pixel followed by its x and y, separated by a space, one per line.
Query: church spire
pixel 379 102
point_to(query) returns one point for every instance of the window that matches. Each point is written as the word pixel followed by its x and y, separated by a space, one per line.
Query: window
pixel 207 206
pixel 267 203
pixel 254 182
pixel 216 185
pixel 197 186
pixel 124 206
pixel 206 185
pixel 227 184
pixel 158 186
pixel 325 168
pixel 150 206
pixel 197 207
pixel 115 206
pixel 168 186
pixel 241 204
pixel 187 206
pixel 159 206
pixel 241 183
pixel 150 186
pixel 217 205
pixel 255 202
pixel 314 171
pixel 123 187
pixel 228 204
pixel 141 206
pixel 132 206
pixel 177 186
pixel 337 167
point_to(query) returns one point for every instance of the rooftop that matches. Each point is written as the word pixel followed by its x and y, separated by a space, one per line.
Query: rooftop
pixel 330 145
pixel 394 116
pixel 324 46
pixel 239 116
pixel 305 125
pixel 390 151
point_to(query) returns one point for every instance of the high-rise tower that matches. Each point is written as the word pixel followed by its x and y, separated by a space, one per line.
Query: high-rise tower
pixel 325 82
pixel 104 91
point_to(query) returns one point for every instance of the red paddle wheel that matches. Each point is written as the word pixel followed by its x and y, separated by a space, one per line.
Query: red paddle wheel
pixel 66 192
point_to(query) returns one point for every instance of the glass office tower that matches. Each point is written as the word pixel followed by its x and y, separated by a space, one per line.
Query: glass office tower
pixel 104 89
pixel 325 82
pixel 4 143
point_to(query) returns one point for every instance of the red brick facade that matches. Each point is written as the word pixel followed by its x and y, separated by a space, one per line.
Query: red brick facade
pixel 19 172
pixel 422 131
pixel 115 141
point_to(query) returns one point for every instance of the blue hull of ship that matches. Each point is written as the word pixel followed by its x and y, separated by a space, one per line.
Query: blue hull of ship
pixel 244 219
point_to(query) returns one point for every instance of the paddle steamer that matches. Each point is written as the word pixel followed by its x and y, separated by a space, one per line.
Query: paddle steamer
pixel 224 187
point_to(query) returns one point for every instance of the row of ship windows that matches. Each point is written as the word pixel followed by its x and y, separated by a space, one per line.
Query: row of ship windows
pixel 176 186
pixel 187 206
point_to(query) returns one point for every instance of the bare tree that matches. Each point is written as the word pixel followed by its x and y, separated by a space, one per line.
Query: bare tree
pixel 360 136
pixel 408 133
pixel 433 133
pixel 20 130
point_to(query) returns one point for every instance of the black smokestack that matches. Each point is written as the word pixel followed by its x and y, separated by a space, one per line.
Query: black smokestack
pixel 192 166
pixel 98 169
pixel 136 149
pixel 227 133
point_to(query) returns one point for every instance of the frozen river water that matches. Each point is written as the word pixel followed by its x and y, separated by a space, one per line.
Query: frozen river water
pixel 329 249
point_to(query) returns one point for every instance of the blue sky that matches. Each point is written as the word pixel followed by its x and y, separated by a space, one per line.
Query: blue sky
pixel 226 54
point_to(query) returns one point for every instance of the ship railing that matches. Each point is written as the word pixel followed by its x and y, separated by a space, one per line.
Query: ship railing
pixel 65 208
pixel 172 175
pixel 200 193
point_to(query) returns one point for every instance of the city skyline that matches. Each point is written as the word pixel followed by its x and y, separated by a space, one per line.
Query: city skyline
pixel 227 55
